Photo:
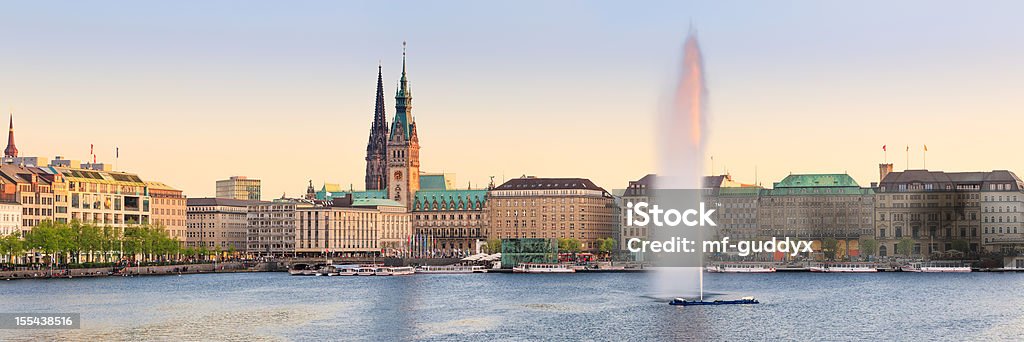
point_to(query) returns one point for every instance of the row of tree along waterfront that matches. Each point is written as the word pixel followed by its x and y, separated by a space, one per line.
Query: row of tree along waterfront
pixel 84 244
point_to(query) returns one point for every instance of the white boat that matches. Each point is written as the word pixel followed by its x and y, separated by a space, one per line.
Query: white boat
pixel 366 271
pixel 845 267
pixel 542 268
pixel 451 269
pixel 936 267
pixel 402 270
pixel 383 271
pixel 741 268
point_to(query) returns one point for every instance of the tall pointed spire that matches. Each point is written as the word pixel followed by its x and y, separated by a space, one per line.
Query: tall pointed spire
pixel 376 147
pixel 11 151
pixel 403 103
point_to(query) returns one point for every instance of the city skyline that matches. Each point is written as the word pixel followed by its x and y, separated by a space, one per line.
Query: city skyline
pixel 288 96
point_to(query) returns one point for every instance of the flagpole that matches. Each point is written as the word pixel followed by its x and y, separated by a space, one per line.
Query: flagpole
pixel 907 167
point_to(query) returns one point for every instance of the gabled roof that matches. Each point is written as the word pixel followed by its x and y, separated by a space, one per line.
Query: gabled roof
pixel 431 200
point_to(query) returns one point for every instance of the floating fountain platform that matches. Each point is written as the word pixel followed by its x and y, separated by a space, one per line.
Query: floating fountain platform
pixel 684 302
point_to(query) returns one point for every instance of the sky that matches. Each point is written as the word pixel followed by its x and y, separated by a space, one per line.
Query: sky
pixel 284 92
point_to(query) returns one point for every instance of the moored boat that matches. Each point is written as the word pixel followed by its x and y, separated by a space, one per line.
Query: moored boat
pixel 402 270
pixel 451 269
pixel 741 268
pixel 845 267
pixel 542 268
pixel 936 267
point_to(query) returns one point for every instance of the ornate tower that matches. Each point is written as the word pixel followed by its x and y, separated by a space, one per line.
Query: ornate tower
pixel 11 151
pixel 376 148
pixel 403 152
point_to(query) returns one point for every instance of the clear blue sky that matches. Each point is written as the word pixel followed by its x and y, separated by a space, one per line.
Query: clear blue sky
pixel 284 91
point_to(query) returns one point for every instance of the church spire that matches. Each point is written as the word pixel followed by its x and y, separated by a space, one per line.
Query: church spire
pixel 403 105
pixel 376 147
pixel 11 151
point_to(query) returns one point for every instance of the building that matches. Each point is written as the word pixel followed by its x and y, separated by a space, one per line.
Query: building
pixel 452 221
pixel 551 208
pixel 635 192
pixel 10 218
pixel 35 194
pixel 1002 213
pixel 271 228
pixel 352 227
pixel 217 224
pixel 168 209
pixel 944 211
pixel 736 205
pixel 239 188
pixel 106 198
pixel 403 149
pixel 817 207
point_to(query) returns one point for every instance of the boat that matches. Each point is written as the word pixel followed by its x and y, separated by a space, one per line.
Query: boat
pixel 299 269
pixel 936 267
pixel 542 268
pixel 741 268
pixel 366 271
pixel 845 267
pixel 401 270
pixel 382 271
pixel 685 302
pixel 451 269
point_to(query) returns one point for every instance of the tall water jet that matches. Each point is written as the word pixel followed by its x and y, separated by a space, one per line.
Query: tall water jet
pixel 681 137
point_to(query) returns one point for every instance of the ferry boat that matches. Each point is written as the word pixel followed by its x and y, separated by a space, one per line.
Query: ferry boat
pixel 684 302
pixel 341 270
pixel 936 267
pixel 845 267
pixel 366 271
pixel 401 270
pixel 303 269
pixel 451 269
pixel 382 271
pixel 542 268
pixel 741 268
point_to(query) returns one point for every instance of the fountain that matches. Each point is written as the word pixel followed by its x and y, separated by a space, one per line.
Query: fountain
pixel 681 138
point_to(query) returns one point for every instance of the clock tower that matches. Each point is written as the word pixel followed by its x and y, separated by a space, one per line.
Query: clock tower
pixel 403 151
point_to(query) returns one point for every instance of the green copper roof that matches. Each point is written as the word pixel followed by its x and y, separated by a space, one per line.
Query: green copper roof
pixel 435 181
pixel 440 200
pixel 816 180
pixel 739 191
pixel 817 184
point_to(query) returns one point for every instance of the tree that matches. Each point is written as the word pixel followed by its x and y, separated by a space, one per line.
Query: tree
pixel 868 246
pixel 492 246
pixel 829 246
pixel 11 246
pixel 905 247
pixel 569 245
pixel 606 245
pixel 961 245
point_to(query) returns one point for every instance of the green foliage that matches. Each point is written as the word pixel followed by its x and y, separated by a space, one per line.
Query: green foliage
pixel 12 246
pixel 570 245
pixel 493 246
pixel 74 241
pixel 905 247
pixel 868 247
pixel 606 245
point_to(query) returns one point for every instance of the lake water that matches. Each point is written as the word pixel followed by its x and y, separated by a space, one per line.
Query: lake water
pixel 610 306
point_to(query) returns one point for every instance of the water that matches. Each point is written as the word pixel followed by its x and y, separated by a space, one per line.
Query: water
pixel 278 307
